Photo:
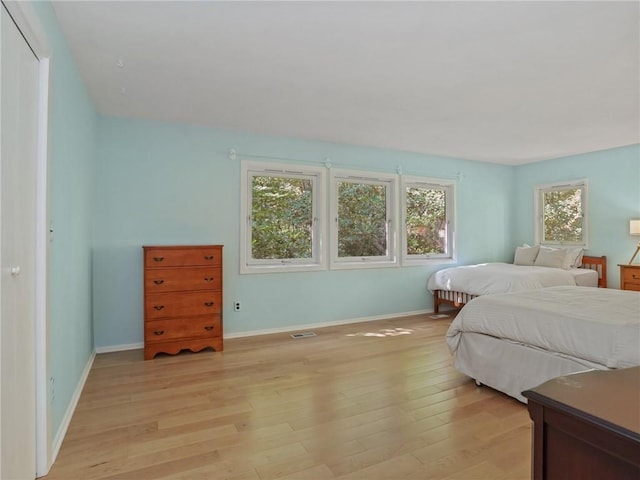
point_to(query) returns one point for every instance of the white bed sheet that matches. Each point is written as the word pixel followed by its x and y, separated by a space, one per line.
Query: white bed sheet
pixel 597 325
pixel 512 367
pixel 584 277
pixel 490 278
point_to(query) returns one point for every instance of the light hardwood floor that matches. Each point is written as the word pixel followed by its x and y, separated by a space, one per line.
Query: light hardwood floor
pixel 377 400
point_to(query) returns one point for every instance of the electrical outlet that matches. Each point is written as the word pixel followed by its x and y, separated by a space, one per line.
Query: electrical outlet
pixel 236 306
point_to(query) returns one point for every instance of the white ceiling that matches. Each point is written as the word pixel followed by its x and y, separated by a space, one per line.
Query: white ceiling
pixel 504 82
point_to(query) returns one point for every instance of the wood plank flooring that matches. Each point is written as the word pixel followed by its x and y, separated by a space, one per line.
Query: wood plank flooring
pixel 377 400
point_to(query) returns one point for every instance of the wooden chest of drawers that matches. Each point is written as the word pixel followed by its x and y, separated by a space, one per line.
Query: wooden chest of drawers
pixel 630 277
pixel 182 298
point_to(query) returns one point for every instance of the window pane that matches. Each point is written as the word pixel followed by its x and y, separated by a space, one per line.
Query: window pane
pixel 562 217
pixel 426 221
pixel 282 218
pixel 362 220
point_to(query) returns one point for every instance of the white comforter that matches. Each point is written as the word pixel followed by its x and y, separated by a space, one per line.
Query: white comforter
pixel 595 324
pixel 489 278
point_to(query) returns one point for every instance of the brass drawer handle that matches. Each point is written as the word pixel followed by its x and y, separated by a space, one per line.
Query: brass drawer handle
pixel 158 259
pixel 208 304
pixel 158 282
pixel 208 327
pixel 208 279
pixel 208 257
pixel 158 332
pixel 158 307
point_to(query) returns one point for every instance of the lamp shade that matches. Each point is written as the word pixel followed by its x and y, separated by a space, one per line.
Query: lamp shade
pixel 634 227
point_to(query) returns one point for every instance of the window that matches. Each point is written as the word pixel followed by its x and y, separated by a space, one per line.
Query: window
pixel 283 218
pixel 301 218
pixel 362 215
pixel 427 218
pixel 561 212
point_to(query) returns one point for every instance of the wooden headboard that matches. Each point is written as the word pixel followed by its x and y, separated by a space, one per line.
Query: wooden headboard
pixel 599 264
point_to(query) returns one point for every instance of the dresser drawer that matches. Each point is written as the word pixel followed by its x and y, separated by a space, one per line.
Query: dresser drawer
pixel 631 275
pixel 159 280
pixel 182 304
pixel 175 328
pixel 181 257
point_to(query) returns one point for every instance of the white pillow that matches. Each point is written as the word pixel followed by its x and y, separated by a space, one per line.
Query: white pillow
pixel 550 257
pixel 573 257
pixel 525 255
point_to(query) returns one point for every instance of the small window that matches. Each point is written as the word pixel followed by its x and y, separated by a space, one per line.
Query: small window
pixel 362 211
pixel 427 215
pixel 561 212
pixel 282 218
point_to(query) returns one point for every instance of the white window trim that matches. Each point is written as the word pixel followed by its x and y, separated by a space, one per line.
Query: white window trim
pixel 450 192
pixel 538 200
pixel 318 262
pixel 391 182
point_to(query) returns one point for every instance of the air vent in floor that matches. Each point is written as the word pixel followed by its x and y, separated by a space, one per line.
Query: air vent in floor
pixel 303 334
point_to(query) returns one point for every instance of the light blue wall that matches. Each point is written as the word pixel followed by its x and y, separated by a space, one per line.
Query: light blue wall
pixel 73 140
pixel 163 184
pixel 174 184
pixel 614 198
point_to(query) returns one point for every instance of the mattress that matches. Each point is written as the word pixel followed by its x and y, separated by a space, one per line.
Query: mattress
pixel 598 325
pixel 490 278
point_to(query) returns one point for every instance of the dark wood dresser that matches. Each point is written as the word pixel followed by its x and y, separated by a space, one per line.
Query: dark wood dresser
pixel 182 298
pixel 587 426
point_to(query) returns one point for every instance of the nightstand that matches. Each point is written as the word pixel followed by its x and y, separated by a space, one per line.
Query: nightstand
pixel 630 277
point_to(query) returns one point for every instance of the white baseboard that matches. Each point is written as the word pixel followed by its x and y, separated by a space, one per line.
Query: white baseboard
pixel 293 328
pixel 66 420
pixel 120 348
pixel 290 328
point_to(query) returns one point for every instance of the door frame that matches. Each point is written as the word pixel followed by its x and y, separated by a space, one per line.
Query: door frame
pixel 27 21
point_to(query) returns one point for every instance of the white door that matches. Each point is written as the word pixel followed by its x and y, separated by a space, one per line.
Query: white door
pixel 18 156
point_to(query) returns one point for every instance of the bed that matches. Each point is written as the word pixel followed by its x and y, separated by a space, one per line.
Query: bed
pixel 458 285
pixel 515 341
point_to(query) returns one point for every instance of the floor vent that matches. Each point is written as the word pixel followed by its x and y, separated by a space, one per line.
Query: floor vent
pixel 303 334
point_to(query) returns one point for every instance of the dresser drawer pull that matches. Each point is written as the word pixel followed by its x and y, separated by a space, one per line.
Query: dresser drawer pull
pixel 158 332
pixel 635 277
pixel 208 279
pixel 158 282
pixel 208 257
pixel 208 304
pixel 208 327
pixel 158 259
pixel 158 307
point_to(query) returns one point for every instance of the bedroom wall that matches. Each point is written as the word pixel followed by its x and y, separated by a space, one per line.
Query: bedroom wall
pixel 72 141
pixel 174 184
pixel 614 199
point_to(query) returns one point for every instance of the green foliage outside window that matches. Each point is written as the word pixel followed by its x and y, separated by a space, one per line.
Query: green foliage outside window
pixel 281 218
pixel 562 210
pixel 426 221
pixel 362 220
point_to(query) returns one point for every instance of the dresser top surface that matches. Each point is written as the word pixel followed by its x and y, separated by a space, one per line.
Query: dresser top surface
pixel 611 396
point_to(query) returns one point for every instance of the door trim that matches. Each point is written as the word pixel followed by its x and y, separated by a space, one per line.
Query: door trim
pixel 29 25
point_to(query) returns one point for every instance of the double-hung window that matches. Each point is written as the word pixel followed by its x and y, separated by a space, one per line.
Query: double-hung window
pixel 428 220
pixel 283 218
pixel 363 216
pixel 561 213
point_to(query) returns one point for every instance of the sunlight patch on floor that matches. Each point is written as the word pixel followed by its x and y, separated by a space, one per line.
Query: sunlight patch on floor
pixel 385 332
